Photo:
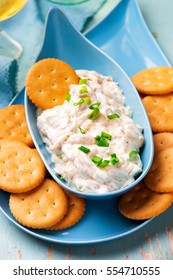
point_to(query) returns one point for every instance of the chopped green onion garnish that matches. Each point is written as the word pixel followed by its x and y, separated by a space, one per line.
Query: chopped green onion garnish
pixel 97 160
pixel 83 81
pixel 113 116
pixel 106 135
pixel 83 89
pixel 113 155
pixel 114 159
pixel 94 114
pixel 133 152
pixel 97 138
pixel 87 100
pixel 104 163
pixel 79 102
pixel 102 142
pixel 84 149
pixel 68 96
pixel 94 105
pixel 82 130
pixel 61 177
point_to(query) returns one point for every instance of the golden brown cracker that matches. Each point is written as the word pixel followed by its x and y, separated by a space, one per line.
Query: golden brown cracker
pixel 21 168
pixel 160 176
pixel 13 124
pixel 48 81
pixel 141 203
pixel 156 80
pixel 159 111
pixel 76 208
pixel 41 207
pixel 162 141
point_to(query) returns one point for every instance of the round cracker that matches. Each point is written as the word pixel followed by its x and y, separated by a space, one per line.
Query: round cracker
pixel 159 111
pixel 48 81
pixel 13 124
pixel 21 168
pixel 160 176
pixel 162 141
pixel 154 81
pixel 76 208
pixel 141 203
pixel 41 207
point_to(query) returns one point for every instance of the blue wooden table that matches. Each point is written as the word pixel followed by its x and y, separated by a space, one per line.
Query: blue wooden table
pixel 155 240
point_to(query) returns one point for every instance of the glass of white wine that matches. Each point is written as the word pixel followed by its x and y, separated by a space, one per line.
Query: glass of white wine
pixel 8 8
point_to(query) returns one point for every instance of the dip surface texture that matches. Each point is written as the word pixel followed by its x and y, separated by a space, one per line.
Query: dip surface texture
pixel 94 142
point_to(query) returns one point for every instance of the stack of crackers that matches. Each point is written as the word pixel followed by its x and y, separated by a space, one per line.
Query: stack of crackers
pixel 36 200
pixel 155 193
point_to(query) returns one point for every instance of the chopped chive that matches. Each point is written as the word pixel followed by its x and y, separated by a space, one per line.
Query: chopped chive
pixel 106 135
pixel 83 81
pixel 113 155
pixel 82 130
pixel 133 152
pixel 61 177
pixel 94 114
pixel 97 138
pixel 83 89
pixel 113 116
pixel 94 105
pixel 104 163
pixel 79 102
pixel 68 96
pixel 102 142
pixel 97 160
pixel 114 161
pixel 84 149
pixel 87 100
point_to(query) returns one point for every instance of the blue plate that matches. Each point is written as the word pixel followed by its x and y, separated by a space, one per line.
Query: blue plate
pixel 72 47
pixel 125 37
pixel 99 223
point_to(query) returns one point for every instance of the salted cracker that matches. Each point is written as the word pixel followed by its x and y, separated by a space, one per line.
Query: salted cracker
pixel 48 81
pixel 39 208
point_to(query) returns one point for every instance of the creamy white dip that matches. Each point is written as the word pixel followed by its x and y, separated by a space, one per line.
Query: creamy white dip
pixel 67 127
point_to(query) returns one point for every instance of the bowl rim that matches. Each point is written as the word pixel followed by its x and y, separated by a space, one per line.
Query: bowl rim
pixel 91 195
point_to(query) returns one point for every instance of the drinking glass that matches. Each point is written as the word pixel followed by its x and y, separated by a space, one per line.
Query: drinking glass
pixel 9 8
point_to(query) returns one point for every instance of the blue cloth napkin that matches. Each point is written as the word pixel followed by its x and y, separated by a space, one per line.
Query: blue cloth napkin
pixel 27 28
pixel 8 69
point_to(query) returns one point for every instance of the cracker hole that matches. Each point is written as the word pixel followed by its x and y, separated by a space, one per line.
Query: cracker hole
pixel 39 76
pixel 38 201
pixel 54 203
pixel 22 199
pixel 54 99
pixel 29 213
pixel 52 70
pixel 47 190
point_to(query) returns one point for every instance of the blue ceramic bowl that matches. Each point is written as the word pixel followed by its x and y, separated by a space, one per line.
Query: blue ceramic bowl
pixel 63 41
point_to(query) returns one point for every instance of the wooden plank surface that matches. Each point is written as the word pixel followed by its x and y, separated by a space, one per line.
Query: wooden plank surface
pixel 154 242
